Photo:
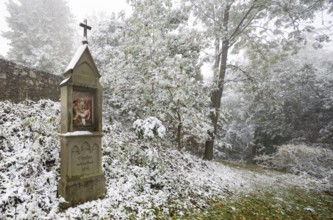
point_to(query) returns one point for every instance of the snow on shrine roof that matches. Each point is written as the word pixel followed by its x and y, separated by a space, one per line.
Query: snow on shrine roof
pixel 77 133
pixel 76 57
pixel 64 81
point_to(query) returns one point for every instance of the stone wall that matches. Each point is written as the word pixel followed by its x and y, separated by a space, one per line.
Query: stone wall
pixel 18 83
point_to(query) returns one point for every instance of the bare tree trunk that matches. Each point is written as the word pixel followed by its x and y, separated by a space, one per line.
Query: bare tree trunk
pixel 179 127
pixel 209 147
pixel 217 93
pixel 179 136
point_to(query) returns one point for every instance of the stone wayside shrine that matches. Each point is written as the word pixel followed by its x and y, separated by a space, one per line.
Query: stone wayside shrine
pixel 82 176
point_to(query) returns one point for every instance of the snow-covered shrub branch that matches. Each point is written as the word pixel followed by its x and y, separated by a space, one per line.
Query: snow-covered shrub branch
pixel 316 161
pixel 149 128
pixel 29 158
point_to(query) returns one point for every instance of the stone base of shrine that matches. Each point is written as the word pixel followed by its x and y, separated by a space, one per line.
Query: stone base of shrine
pixel 83 190
pixel 82 177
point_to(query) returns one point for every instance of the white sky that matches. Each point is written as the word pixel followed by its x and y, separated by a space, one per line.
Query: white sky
pixel 80 9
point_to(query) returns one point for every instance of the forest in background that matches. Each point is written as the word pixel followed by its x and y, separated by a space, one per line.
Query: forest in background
pixel 267 91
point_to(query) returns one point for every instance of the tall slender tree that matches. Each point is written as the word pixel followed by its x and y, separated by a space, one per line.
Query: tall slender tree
pixel 252 24
pixel 41 34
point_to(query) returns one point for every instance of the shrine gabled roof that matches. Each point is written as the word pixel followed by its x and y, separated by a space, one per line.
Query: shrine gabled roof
pixel 76 58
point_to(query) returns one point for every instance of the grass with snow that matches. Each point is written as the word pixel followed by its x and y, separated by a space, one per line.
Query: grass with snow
pixel 296 202
pixel 144 179
pixel 290 203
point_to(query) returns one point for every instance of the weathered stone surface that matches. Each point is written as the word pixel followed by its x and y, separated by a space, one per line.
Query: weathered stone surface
pixel 17 85
pixel 3 76
pixel 80 191
pixel 23 73
pixel 33 74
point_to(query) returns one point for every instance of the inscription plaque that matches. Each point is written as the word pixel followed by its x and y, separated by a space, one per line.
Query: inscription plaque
pixel 84 159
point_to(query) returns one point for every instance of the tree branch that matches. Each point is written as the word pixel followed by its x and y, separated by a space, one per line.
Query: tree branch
pixel 247 74
pixel 232 40
pixel 205 14
pixel 256 46
pixel 243 20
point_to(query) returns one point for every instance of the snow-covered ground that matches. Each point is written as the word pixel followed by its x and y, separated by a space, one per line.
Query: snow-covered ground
pixel 143 178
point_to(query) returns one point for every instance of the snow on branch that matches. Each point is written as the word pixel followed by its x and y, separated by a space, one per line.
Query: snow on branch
pixel 149 128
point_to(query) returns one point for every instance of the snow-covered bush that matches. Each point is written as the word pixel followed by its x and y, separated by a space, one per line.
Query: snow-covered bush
pixel 29 149
pixel 316 161
pixel 149 128
pixel 144 180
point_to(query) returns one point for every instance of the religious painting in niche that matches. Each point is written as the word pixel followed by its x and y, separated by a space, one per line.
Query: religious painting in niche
pixel 83 103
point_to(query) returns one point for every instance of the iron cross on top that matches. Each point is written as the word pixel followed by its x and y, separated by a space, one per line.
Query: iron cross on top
pixel 85 27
